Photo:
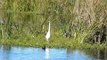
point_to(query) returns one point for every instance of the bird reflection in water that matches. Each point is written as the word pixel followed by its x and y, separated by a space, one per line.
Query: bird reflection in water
pixel 47 53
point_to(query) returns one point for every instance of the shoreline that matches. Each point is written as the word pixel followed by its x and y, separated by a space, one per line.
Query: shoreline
pixel 52 44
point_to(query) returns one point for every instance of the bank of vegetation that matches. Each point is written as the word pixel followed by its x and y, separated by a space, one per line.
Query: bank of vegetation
pixel 73 22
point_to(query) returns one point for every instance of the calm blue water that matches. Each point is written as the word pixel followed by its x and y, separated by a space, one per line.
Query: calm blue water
pixel 21 53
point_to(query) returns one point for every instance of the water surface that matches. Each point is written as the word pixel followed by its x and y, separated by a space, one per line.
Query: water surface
pixel 25 53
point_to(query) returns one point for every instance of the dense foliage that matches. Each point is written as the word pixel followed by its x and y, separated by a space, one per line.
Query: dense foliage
pixel 79 19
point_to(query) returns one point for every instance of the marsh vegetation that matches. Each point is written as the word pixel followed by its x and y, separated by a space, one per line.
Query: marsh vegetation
pixel 74 23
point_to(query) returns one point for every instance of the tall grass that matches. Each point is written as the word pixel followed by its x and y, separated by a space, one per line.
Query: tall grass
pixel 27 19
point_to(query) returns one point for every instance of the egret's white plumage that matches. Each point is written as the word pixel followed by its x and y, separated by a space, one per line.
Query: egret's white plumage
pixel 48 33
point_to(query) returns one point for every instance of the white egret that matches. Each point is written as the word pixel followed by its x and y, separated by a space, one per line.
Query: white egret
pixel 48 33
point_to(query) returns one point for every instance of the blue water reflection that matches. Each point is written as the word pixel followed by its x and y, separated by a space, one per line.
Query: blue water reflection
pixel 22 53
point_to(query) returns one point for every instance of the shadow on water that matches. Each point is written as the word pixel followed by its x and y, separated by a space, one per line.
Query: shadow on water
pixel 94 54
pixel 24 53
pixel 5 52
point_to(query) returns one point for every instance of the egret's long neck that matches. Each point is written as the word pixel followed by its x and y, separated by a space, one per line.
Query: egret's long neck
pixel 49 27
